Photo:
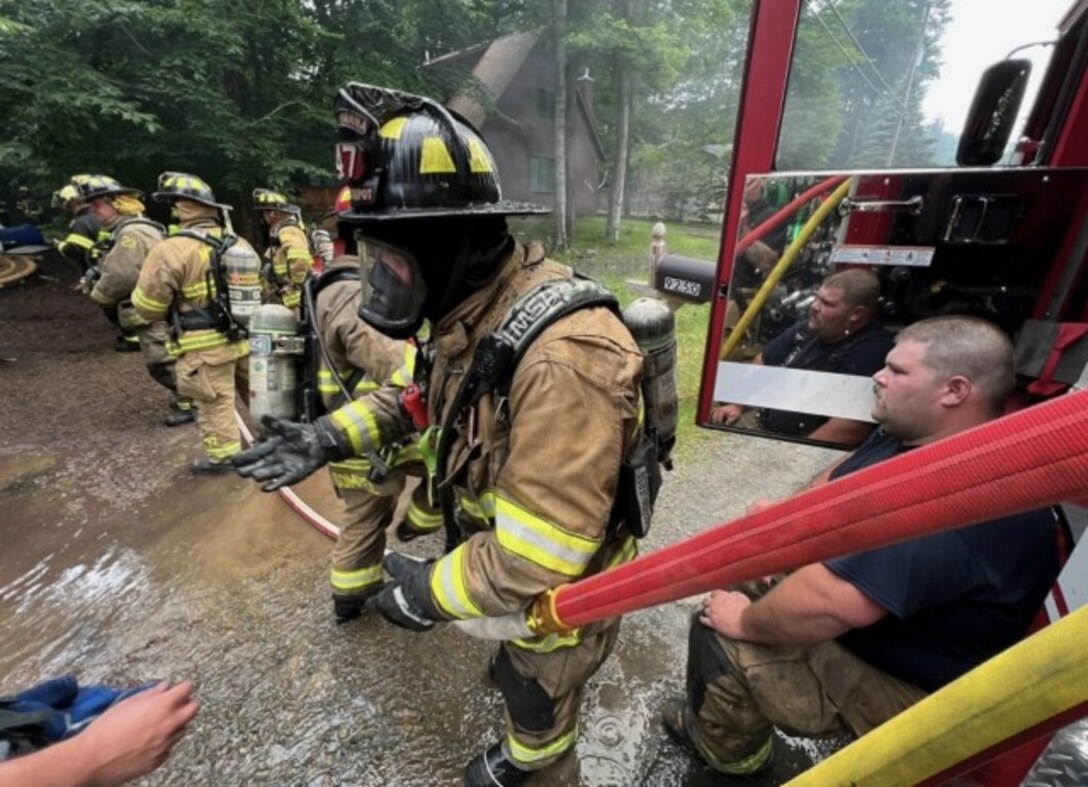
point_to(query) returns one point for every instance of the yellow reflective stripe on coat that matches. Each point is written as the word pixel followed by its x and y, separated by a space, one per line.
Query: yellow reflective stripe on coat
pixel 196 290
pixel 539 541
pixel 628 551
pixel 481 509
pixel 291 298
pixel 448 586
pixel 75 239
pixel 355 580
pixel 326 382
pixel 218 452
pixel 357 422
pixel 423 518
pixel 200 340
pixel 142 300
pixel 100 299
pixel 519 752
pixel 295 253
pixel 549 643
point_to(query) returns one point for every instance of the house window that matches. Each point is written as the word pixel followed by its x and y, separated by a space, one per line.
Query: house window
pixel 541 174
pixel 545 104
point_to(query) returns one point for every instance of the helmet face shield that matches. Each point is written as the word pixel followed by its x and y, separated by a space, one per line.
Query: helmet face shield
pixel 393 288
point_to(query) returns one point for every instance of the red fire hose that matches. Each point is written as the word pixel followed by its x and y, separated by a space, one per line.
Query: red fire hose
pixel 1032 458
pixel 787 210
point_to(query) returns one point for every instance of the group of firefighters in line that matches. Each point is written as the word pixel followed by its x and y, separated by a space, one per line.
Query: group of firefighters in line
pixel 524 412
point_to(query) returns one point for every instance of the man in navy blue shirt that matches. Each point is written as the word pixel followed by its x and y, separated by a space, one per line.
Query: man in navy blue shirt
pixel 841 646
pixel 841 336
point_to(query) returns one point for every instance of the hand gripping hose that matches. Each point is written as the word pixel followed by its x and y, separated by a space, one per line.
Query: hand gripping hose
pixel 1032 458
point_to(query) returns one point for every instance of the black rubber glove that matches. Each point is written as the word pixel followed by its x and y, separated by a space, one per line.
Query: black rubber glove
pixel 290 452
pixel 406 600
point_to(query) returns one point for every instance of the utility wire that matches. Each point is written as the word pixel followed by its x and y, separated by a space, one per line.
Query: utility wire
pixel 851 59
pixel 861 49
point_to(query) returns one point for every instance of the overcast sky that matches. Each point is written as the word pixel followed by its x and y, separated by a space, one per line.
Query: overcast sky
pixel 979 33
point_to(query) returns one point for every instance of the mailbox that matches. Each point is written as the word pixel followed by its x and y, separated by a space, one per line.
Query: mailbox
pixel 685 278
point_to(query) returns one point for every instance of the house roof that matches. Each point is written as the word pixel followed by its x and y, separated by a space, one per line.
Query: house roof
pixel 495 64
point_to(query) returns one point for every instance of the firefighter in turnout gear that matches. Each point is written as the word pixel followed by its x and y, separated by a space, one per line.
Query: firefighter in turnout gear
pixel 84 227
pixel 527 466
pixel 129 239
pixel 288 257
pixel 361 359
pixel 178 283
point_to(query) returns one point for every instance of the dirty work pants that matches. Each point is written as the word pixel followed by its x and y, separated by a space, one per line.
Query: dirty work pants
pixel 160 363
pixel 368 510
pixel 737 691
pixel 542 691
pixel 211 387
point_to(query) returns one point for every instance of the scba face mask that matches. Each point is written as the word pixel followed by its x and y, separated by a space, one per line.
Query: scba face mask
pixel 393 288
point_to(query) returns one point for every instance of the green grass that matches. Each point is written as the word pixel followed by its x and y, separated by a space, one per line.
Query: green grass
pixel 614 263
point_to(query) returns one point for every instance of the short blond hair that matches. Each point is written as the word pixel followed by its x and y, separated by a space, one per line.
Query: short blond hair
pixel 969 347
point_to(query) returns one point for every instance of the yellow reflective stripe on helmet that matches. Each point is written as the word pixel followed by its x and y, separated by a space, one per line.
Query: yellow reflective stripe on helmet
pixel 357 421
pixel 549 643
pixel 448 586
pixel 142 300
pixel 478 160
pixel 520 752
pixel 435 157
pixel 355 580
pixel 539 541
pixel 423 518
pixel 392 129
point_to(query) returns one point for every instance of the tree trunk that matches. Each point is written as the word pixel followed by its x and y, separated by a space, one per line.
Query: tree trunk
pixel 619 161
pixel 560 211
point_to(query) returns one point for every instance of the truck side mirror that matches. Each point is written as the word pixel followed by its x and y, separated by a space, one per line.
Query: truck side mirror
pixel 993 112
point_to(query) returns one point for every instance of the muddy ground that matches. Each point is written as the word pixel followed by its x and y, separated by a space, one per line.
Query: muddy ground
pixel 120 567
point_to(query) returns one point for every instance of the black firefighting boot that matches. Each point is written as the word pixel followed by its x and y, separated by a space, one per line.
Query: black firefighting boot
pixel 205 466
pixel 181 412
pixel 347 608
pixel 490 768
pixel 406 532
pixel 126 343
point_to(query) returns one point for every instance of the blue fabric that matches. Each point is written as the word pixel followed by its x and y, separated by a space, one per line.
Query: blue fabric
pixel 955 598
pixel 21 235
pixel 70 706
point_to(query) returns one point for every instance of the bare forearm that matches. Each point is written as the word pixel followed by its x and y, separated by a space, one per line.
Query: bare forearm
pixel 770 621
pixel 65 764
pixel 841 430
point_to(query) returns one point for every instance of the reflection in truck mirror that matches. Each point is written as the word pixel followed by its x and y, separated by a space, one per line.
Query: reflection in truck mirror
pixel 993 113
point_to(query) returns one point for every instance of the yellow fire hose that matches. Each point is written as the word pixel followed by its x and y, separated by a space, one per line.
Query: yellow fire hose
pixel 781 267
pixel 1029 684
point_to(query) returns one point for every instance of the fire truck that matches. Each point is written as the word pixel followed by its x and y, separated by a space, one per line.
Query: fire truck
pixel 996 226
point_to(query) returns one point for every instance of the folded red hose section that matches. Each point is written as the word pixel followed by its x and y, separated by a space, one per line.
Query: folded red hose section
pixel 786 211
pixel 1032 458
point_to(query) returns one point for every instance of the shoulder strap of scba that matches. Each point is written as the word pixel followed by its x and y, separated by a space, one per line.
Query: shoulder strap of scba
pixel 496 358
pixel 311 288
pixel 216 276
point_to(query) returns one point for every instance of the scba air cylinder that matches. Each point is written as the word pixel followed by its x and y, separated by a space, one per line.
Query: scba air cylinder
pixel 242 267
pixel 652 325
pixel 274 352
